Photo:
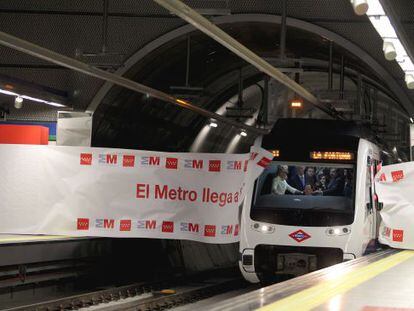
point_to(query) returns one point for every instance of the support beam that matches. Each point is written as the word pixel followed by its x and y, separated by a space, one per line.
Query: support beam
pixel 62 60
pixel 204 25
pixel 283 28
pixel 330 70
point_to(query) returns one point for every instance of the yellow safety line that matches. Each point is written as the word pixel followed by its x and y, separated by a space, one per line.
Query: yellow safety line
pixel 34 238
pixel 319 294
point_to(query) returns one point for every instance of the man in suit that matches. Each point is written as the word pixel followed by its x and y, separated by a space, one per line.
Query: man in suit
pixel 298 180
pixel 303 177
pixel 336 184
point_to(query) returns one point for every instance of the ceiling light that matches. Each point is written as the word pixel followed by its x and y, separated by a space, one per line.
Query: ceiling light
pixel 409 79
pixel 18 102
pixel 243 133
pixel 213 124
pixel 389 50
pixel 296 103
pixel 411 120
pixel 22 97
pixel 360 6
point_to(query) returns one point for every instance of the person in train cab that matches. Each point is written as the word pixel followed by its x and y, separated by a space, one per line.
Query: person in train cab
pixel 298 180
pixel 310 178
pixel 348 188
pixel 336 184
pixel 280 185
pixel 321 182
pixel 308 190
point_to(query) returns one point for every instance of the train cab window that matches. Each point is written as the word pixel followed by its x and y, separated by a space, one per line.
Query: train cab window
pixel 308 194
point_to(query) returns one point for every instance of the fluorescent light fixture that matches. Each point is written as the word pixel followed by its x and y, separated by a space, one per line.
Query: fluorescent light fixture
pixel 38 100
pixel 360 6
pixel 5 92
pixel 411 120
pixel 392 47
pixel 243 133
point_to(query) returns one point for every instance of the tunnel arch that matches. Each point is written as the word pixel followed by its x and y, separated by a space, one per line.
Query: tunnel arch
pixel 263 18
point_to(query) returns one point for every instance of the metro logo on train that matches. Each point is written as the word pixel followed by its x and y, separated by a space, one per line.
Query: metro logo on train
pixel 299 236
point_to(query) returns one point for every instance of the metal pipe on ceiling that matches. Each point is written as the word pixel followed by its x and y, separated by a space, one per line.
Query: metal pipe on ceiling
pixel 330 68
pixel 64 61
pixel 207 27
pixel 283 28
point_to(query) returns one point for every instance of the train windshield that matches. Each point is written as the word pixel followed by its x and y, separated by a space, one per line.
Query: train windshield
pixel 305 194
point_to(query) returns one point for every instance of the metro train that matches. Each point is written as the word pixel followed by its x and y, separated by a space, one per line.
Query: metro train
pixel 315 204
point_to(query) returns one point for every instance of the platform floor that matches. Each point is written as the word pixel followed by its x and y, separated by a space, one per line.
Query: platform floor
pixel 25 238
pixel 379 282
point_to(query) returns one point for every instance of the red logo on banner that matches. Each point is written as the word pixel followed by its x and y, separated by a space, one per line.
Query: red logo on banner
pixel 125 225
pixel 245 165
pixel 253 155
pixel 209 230
pixel 299 236
pixel 236 230
pixel 128 160
pixel 397 175
pixel 264 162
pixel 214 165
pixel 382 177
pixel 397 235
pixel 171 163
pixel 167 226
pixel 83 224
pixel 86 158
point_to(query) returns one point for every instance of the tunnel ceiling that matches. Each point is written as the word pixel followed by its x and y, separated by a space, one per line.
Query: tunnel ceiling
pixel 75 27
pixel 124 114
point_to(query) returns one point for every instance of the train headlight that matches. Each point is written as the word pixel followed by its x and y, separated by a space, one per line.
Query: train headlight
pixel 263 228
pixel 338 231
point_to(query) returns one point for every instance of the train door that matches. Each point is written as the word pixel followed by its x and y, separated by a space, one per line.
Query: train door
pixel 375 206
pixel 370 205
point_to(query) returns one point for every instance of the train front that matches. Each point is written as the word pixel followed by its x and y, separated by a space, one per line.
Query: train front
pixel 299 216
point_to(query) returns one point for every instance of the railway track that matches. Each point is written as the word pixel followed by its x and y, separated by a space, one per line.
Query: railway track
pixel 141 296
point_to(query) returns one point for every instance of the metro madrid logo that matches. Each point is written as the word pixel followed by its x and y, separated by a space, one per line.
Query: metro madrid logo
pixel 299 236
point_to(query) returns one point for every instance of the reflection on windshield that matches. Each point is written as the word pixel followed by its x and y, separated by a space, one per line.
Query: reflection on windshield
pixel 305 194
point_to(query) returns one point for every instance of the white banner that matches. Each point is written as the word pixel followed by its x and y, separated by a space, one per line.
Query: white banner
pixel 82 191
pixel 395 188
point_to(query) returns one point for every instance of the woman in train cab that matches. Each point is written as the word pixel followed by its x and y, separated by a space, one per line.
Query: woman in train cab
pixel 279 184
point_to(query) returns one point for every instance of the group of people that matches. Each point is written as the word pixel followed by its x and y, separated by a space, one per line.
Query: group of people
pixel 311 181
